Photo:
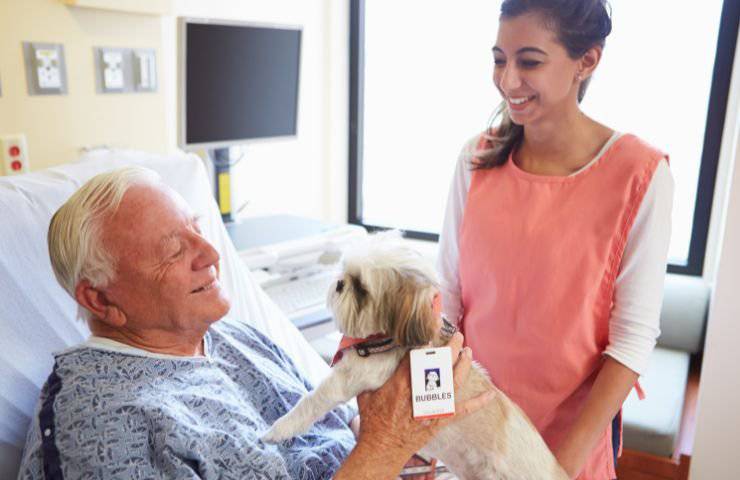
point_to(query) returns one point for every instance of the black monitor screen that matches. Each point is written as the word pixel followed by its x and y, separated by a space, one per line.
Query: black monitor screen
pixel 241 82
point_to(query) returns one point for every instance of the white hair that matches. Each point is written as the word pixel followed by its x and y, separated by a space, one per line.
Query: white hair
pixel 76 249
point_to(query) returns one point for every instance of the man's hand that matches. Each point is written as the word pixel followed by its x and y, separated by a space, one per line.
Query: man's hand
pixel 389 435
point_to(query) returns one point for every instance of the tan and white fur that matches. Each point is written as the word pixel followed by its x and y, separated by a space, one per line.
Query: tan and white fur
pixel 389 289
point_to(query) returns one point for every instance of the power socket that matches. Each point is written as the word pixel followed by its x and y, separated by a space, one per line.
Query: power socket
pixel 112 63
pixel 46 73
pixel 145 70
pixel 14 154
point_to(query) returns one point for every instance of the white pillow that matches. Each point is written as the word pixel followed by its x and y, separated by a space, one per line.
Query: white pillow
pixel 37 317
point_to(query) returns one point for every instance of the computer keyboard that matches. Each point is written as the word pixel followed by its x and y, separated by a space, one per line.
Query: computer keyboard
pixel 302 294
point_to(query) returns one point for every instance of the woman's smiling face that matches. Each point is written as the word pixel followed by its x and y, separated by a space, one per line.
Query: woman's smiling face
pixel 532 70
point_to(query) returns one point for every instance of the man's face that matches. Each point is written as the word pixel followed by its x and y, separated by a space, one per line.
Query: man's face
pixel 167 273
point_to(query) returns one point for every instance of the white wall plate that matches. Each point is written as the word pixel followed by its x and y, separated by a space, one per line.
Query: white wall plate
pixel 46 72
pixel 145 70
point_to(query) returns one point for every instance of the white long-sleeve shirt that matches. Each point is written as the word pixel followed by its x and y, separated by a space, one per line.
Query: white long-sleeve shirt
pixel 634 324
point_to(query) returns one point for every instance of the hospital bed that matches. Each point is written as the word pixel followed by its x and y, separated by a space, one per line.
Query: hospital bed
pixel 37 317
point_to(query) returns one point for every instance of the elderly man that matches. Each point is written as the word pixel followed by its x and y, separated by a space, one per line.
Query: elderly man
pixel 160 390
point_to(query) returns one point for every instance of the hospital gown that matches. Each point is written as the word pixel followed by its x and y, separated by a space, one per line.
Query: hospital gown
pixel 108 414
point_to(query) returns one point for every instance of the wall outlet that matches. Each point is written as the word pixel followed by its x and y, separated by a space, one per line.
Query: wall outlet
pixel 45 70
pixel 48 71
pixel 145 70
pixel 125 70
pixel 112 65
pixel 113 70
pixel 14 154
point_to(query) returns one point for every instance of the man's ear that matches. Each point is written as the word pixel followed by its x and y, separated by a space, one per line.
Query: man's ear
pixel 97 303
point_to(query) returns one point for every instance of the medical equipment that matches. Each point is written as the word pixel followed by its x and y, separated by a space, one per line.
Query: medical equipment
pixel 294 259
pixel 302 294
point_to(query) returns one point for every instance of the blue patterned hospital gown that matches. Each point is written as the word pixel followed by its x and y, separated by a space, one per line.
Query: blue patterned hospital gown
pixel 107 414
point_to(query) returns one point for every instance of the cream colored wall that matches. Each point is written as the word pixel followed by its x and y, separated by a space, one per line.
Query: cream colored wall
pixel 305 175
pixel 57 126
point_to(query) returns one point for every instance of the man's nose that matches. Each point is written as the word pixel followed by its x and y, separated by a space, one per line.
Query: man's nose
pixel 207 255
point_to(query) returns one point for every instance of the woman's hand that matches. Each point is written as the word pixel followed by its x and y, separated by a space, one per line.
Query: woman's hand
pixel 388 432
pixel 610 389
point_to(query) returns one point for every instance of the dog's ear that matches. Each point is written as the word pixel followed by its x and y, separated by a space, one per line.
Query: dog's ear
pixel 414 322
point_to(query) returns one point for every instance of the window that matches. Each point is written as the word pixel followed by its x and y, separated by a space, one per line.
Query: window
pixel 421 85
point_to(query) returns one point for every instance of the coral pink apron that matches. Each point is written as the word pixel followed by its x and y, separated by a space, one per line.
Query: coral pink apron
pixel 539 256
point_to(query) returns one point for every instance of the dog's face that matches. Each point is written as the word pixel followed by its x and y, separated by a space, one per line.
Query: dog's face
pixel 386 289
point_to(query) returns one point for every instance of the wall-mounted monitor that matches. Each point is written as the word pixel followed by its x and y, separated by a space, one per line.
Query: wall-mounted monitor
pixel 237 82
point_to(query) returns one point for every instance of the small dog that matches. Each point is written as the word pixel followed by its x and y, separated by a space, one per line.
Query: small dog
pixel 386 294
pixel 432 381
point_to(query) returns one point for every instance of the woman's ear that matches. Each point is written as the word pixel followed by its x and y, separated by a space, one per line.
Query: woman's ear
pixel 96 302
pixel 589 61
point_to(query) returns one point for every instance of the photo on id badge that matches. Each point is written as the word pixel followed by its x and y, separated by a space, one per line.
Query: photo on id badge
pixel 432 379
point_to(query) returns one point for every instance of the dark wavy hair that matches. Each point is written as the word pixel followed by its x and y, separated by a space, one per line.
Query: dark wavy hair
pixel 579 25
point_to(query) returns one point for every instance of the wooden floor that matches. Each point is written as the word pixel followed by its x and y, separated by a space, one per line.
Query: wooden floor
pixel 634 465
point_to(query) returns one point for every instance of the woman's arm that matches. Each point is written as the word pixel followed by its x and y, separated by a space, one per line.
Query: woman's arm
pixel 449 254
pixel 634 322
pixel 610 389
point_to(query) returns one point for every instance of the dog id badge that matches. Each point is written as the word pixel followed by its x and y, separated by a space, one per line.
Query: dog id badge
pixel 432 386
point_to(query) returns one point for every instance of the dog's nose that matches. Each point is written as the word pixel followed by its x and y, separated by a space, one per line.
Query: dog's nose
pixel 340 286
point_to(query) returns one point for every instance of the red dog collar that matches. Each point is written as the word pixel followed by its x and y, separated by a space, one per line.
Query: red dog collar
pixel 379 343
pixel 364 347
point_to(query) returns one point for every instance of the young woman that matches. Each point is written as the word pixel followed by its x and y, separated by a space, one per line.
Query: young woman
pixel 554 245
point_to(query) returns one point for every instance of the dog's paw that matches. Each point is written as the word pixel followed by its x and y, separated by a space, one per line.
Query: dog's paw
pixel 279 432
pixel 271 437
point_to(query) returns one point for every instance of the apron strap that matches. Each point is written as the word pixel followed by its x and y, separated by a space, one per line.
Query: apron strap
pixel 639 390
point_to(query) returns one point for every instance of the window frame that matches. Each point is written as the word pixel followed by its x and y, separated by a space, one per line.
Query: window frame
pixel 713 132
